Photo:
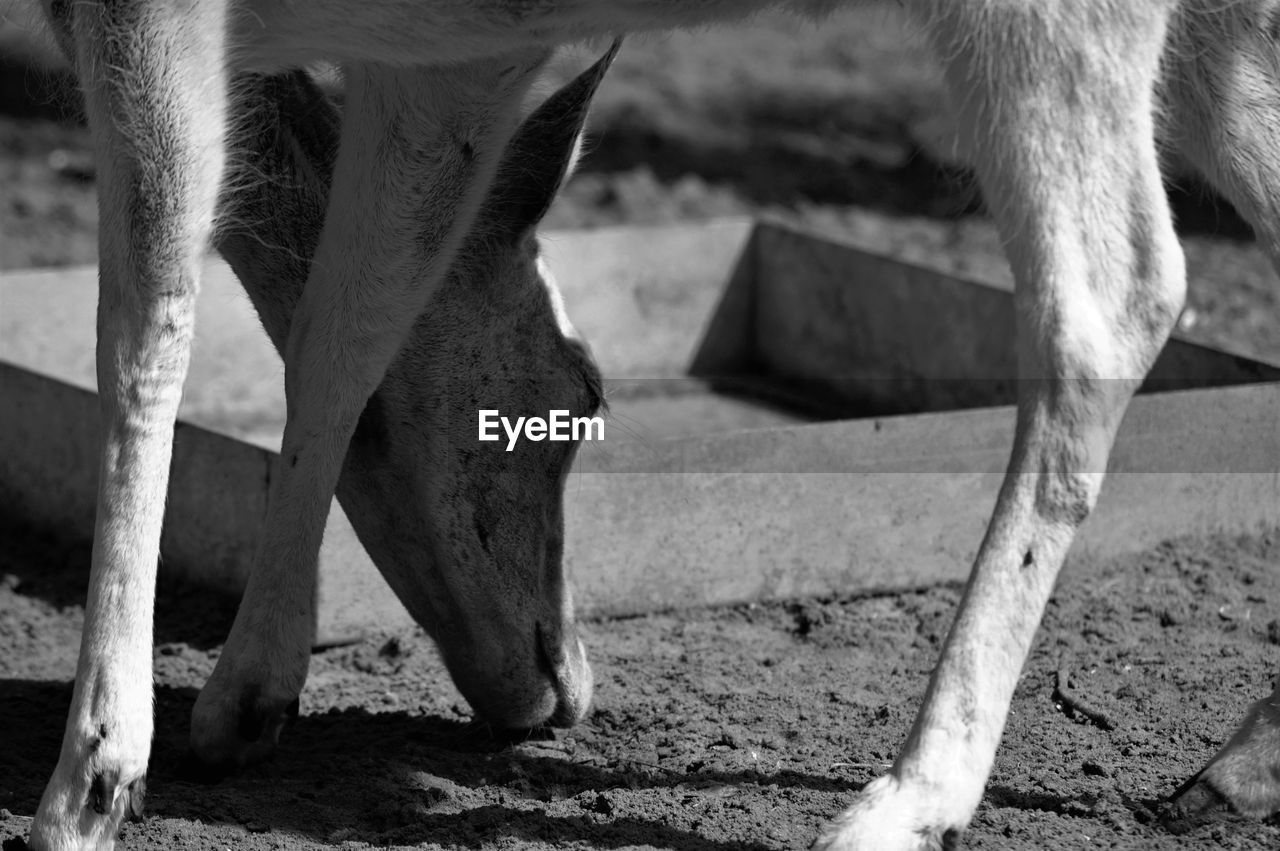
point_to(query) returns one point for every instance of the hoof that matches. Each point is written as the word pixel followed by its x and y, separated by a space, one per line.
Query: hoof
pixel 887 817
pixel 1200 801
pixel 106 795
pixel 1242 779
pixel 87 819
pixel 1195 802
pixel 226 735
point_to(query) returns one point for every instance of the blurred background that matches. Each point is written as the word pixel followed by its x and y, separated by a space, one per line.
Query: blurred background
pixel 841 126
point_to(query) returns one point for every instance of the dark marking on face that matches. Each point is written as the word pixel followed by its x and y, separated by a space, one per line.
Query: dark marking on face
pixel 293 460
pixel 1027 559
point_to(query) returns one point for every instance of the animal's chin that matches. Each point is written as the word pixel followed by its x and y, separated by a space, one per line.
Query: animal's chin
pixel 542 695
pixel 518 707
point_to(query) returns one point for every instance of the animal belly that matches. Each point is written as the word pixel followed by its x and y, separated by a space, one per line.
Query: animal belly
pixel 272 35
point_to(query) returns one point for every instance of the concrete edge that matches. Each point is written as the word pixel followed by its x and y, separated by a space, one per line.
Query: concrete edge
pixel 745 516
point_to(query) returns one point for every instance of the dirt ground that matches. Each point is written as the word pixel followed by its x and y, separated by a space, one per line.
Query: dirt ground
pixel 737 728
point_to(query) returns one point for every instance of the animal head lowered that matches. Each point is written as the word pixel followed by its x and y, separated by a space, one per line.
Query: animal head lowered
pixel 468 534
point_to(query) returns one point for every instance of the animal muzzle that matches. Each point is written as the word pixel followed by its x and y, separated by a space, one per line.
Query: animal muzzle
pixel 545 682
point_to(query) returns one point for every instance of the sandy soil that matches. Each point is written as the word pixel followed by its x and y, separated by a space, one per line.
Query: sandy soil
pixel 735 728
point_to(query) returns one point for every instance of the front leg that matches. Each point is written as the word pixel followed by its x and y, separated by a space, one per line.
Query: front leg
pixel 418 151
pixel 1059 98
pixel 155 92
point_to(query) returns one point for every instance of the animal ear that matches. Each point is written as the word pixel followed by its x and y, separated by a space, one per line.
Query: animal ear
pixel 541 153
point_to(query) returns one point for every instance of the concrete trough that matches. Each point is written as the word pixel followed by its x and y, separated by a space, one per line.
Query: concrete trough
pixel 693 498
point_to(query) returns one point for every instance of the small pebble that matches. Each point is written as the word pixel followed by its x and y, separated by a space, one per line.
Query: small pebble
pixel 1094 769
pixel 1273 632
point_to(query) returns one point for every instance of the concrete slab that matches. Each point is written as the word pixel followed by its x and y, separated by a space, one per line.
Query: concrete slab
pixel 860 335
pixel 643 296
pixel 640 295
pixel 213 515
pixel 887 503
pixel 236 381
pixel 669 515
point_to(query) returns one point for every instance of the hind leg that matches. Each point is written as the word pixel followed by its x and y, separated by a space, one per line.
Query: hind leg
pixel 1059 100
pixel 1223 92
pixel 155 93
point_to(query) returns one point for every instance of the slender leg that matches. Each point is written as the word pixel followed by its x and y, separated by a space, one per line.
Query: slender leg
pixel 413 140
pixel 1223 92
pixel 155 93
pixel 1059 98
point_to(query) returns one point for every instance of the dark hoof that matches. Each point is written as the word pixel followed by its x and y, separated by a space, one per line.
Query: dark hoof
pixel 1195 802
pixel 105 789
pixel 259 724
pixel 253 738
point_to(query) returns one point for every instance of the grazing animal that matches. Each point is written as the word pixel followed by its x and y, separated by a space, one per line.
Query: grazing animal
pixel 1059 101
